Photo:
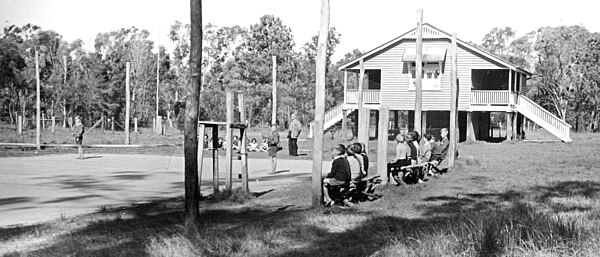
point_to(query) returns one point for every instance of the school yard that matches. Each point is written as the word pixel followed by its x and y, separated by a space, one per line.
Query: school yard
pixel 503 199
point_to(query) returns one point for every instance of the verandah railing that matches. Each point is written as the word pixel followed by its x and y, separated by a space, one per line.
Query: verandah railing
pixel 490 97
pixel 370 96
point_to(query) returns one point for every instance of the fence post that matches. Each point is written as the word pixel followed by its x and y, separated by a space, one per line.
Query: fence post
pixel 53 124
pixel 112 124
pixel 135 124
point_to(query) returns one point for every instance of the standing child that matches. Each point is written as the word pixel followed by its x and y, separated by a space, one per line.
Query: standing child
pixel 78 131
pixel 273 147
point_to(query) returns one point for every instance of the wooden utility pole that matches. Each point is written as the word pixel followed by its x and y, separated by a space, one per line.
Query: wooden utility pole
pixel 65 85
pixel 419 73
pixel 382 142
pixel 453 105
pixel 228 138
pixel 317 183
pixel 127 104
pixel 241 105
pixel 157 74
pixel 37 100
pixel 192 192
pixel 274 113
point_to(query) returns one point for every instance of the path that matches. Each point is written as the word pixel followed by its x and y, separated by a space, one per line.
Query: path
pixel 44 188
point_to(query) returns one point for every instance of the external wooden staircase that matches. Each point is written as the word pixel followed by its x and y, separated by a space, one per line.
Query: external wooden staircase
pixel 544 118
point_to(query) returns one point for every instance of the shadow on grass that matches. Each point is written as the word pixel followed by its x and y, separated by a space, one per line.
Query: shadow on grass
pixel 473 220
pixel 15 200
pixel 456 205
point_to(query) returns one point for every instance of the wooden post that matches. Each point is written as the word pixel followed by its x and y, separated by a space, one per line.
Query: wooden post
pixel 43 120
pixel 112 124
pixel 127 104
pixel 344 111
pixel 509 126
pixel 515 132
pixel 423 122
pixel 453 105
pixel 192 194
pixel 274 112
pixel 344 124
pixel 135 125
pixel 345 85
pixel 228 138
pixel 361 79
pixel 241 106
pixel 396 120
pixel 321 65
pixel 470 129
pixel 158 73
pixel 201 131
pixel 215 158
pixel 64 57
pixel 510 98
pixel 515 127
pixel 363 126
pixel 53 124
pixel 19 124
pixel 418 72
pixel 37 100
pixel 382 142
pixel 102 123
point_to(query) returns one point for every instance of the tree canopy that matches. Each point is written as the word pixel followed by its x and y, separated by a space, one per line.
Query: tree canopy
pixel 564 61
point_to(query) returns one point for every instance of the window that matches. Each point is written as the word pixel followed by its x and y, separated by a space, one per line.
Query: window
pixel 431 75
pixel 432 64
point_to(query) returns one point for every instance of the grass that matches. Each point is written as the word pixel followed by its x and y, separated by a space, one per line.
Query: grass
pixel 507 199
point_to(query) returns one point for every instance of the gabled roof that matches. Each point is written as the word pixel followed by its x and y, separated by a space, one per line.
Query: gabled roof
pixel 431 32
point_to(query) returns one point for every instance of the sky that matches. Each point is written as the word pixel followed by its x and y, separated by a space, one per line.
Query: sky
pixel 363 25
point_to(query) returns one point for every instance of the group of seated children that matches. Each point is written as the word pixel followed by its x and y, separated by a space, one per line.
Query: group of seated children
pixel 206 142
pixel 350 164
pixel 251 146
pixel 428 156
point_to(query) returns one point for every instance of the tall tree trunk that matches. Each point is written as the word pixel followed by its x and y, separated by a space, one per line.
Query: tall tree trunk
pixel 192 194
pixel 320 105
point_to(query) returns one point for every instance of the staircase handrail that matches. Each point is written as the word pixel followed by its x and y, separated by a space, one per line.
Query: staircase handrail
pixel 332 113
pixel 541 109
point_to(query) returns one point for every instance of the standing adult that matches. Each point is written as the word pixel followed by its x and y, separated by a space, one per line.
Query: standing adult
pixel 273 147
pixel 293 134
pixel 78 131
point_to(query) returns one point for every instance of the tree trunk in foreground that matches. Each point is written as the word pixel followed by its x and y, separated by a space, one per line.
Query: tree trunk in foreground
pixel 192 193
pixel 320 106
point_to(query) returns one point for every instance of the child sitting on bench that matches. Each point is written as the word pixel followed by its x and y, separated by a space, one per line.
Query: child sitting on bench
pixel 339 174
